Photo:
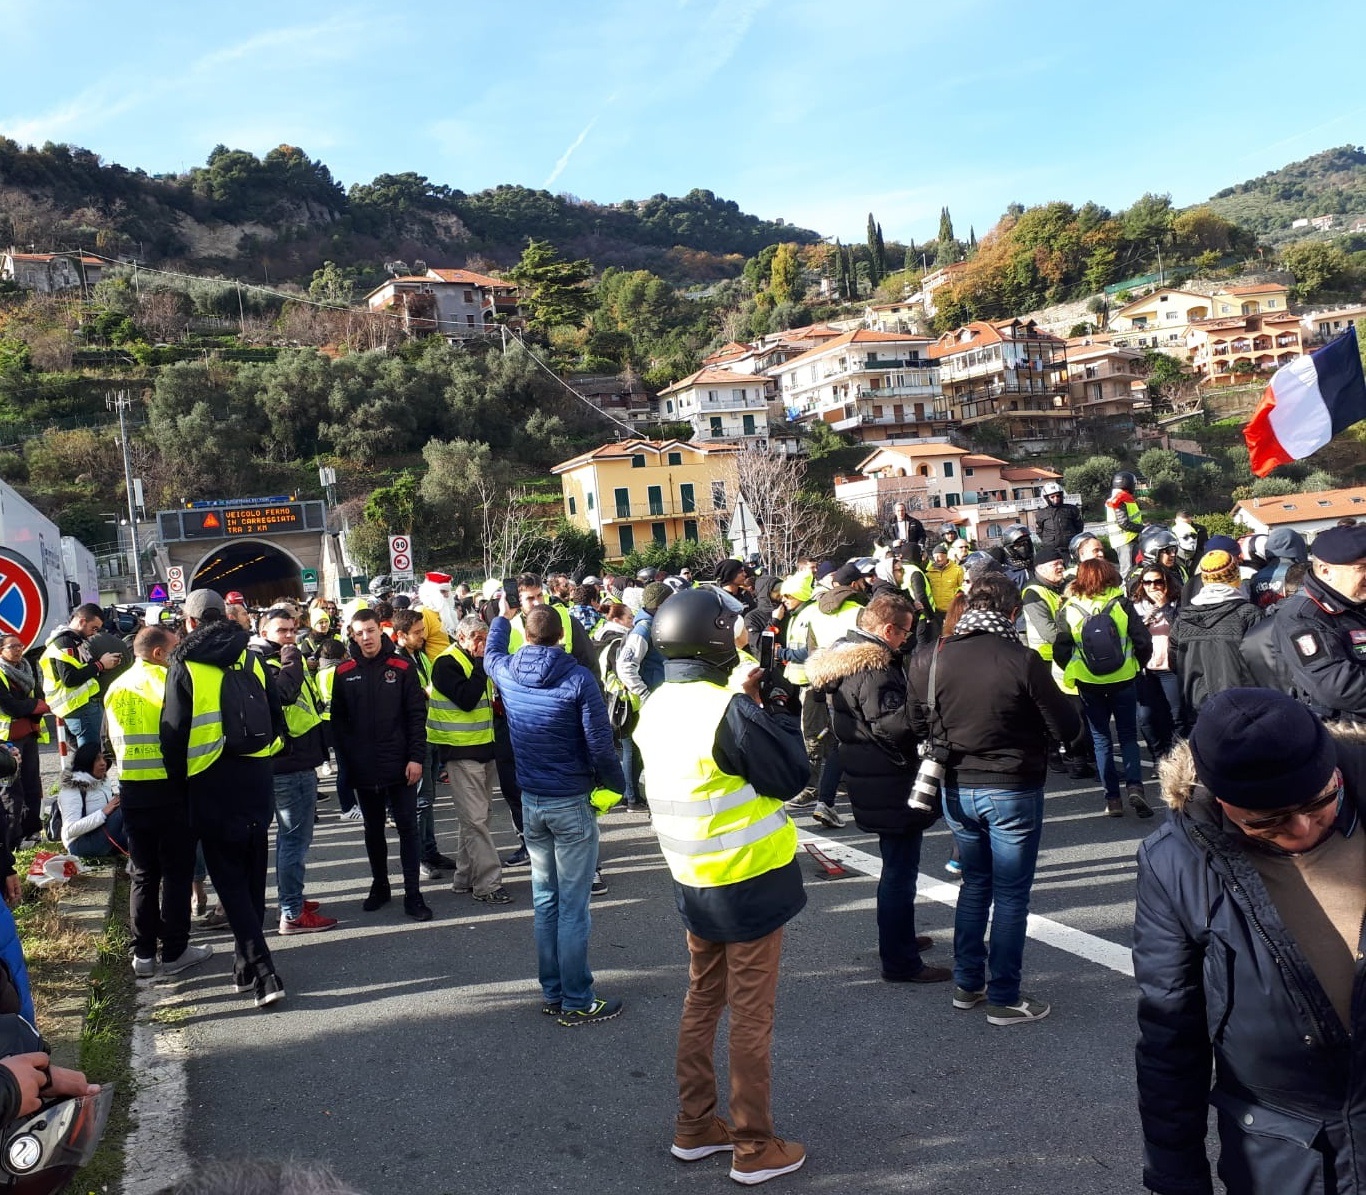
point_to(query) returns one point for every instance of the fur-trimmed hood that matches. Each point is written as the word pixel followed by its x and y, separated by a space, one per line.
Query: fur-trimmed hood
pixel 1176 771
pixel 843 658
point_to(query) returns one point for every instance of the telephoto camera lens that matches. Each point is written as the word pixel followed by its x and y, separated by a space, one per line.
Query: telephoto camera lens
pixel 925 791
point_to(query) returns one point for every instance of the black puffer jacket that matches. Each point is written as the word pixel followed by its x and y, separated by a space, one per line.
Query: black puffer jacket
pixel 995 705
pixel 1222 982
pixel 1205 648
pixel 1057 525
pixel 379 716
pixel 864 685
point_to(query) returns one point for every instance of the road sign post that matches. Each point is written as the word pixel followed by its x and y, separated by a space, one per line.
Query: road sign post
pixel 23 599
pixel 310 580
pixel 175 582
pixel 401 557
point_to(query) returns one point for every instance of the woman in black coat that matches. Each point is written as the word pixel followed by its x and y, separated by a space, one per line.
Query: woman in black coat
pixel 863 679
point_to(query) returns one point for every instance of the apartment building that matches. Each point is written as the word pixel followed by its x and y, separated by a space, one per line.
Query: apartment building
pixel 1163 319
pixel 1011 371
pixel 638 491
pixel 446 302
pixel 1105 382
pixel 874 386
pixel 720 405
pixel 1230 347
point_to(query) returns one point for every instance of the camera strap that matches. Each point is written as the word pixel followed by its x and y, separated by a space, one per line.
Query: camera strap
pixel 934 666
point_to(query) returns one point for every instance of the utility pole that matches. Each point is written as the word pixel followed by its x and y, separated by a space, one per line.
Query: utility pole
pixel 120 402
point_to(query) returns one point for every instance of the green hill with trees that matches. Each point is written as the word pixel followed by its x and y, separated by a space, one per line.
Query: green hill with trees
pixel 1329 183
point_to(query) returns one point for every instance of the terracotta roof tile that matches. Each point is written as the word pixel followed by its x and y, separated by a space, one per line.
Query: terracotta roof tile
pixel 1296 508
pixel 470 278
pixel 621 449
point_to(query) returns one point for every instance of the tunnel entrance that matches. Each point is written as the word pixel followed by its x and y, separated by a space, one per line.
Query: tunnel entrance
pixel 260 571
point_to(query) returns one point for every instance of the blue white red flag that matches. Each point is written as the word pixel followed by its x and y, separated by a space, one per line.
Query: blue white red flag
pixel 1306 404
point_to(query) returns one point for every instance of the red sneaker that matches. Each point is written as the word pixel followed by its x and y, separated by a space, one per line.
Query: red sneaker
pixel 307 922
pixel 311 906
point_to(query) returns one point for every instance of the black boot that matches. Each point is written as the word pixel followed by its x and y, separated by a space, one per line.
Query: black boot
pixel 417 908
pixel 378 898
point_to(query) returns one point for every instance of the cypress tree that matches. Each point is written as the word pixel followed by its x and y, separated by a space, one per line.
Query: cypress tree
pixel 839 270
pixel 873 264
pixel 881 255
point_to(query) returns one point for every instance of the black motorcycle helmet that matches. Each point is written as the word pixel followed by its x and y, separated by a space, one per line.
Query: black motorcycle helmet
pixel 1017 543
pixel 1155 539
pixel 1074 544
pixel 948 531
pixel 1124 480
pixel 696 625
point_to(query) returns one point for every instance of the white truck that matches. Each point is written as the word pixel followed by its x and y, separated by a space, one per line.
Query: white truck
pixel 30 534
pixel 82 576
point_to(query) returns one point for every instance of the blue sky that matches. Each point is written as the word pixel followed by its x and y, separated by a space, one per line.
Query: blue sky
pixel 801 109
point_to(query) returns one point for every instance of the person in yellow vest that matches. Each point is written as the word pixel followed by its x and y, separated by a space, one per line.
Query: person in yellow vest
pixel 460 723
pixel 1123 518
pixel 719 767
pixel 71 676
pixel 1103 665
pixel 156 819
pixel 1041 600
pixel 331 653
pixel 228 780
pixel 530 594
pixel 410 638
pixel 299 753
pixel 22 727
pixel 439 614
pixel 944 577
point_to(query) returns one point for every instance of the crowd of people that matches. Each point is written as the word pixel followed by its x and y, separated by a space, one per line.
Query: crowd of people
pixel 909 683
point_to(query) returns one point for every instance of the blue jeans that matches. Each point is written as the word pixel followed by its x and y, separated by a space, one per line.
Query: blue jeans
pixel 1120 702
pixel 896 905
pixel 1159 710
pixel 628 767
pixel 997 832
pixel 96 843
pixel 83 725
pixel 296 800
pixel 562 838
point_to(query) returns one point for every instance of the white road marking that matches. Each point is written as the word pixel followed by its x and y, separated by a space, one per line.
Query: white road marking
pixel 154 1154
pixel 1041 929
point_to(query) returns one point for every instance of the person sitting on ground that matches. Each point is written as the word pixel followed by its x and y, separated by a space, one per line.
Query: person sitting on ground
pixel 92 822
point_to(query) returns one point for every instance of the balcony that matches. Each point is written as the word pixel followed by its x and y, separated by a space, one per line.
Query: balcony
pixel 669 508
pixel 1287 341
pixel 922 391
pixel 753 403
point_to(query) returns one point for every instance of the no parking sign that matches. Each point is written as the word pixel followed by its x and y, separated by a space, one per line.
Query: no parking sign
pixel 23 599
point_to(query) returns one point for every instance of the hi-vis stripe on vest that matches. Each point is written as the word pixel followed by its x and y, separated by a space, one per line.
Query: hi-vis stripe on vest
pixel 517 635
pixel 447 723
pixel 206 721
pixel 713 828
pixel 326 678
pixel 826 628
pixel 303 713
pixel 133 707
pixel 1118 536
pixel 61 698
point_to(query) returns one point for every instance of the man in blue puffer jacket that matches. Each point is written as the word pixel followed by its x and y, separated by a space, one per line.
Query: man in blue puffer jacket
pixel 563 750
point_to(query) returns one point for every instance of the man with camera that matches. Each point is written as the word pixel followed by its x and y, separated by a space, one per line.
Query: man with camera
pixel 862 678
pixel 989 706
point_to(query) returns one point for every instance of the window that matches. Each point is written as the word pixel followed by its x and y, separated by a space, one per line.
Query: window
pixel 623 496
pixel 655 495
pixel 675 458
pixel 713 395
pixel 628 541
pixel 717 428
pixel 589 496
pixel 638 461
pixel 738 395
pixel 969 471
pixel 573 506
pixel 1171 315
pixel 718 495
pixel 1224 308
pixel 690 530
pixel 1271 302
pixel 749 425
pixel 469 296
pixel 953 499
pixel 686 499
pixel 948 468
pixel 469 320
pixel 657 534
pixel 669 405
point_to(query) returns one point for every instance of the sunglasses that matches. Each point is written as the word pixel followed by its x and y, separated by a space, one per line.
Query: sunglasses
pixel 1155 581
pixel 1277 821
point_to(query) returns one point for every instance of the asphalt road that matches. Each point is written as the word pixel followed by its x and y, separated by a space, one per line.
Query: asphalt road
pixel 413 1058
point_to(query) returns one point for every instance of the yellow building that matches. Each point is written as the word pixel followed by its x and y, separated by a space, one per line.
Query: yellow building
pixel 636 492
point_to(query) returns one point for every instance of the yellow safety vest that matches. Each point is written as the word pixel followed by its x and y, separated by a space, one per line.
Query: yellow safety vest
pixel 826 628
pixel 517 636
pixel 447 723
pixel 327 677
pixel 6 722
pixel 1118 536
pixel 714 828
pixel 303 713
pixel 133 706
pixel 798 635
pixel 64 700
pixel 907 568
pixel 1076 611
pixel 1054 603
pixel 206 712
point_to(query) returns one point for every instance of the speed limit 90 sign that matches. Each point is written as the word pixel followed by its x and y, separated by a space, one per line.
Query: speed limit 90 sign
pixel 400 554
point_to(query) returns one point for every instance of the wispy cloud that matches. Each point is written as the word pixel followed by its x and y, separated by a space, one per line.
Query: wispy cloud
pixel 563 160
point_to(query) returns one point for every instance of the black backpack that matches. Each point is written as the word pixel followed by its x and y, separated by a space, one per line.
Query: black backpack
pixel 247 726
pixel 1101 645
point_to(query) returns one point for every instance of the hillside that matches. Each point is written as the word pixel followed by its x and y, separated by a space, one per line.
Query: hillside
pixel 1331 182
pixel 283 214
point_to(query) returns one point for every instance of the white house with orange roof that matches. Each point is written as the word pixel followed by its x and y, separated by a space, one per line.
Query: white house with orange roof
pixel 48 273
pixel 447 302
pixel 720 404
pixel 875 386
pixel 1306 513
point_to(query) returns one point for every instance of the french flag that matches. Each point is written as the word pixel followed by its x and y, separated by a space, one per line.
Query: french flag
pixel 1306 404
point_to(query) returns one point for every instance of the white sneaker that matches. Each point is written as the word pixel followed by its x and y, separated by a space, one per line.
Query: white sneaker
pixel 353 814
pixel 1025 1010
pixel 826 816
pixel 191 956
pixel 324 769
pixel 144 968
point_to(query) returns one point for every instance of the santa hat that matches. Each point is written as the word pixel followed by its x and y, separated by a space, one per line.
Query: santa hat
pixel 439 578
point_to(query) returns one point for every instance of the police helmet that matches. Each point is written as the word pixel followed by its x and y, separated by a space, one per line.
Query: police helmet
pixel 645 575
pixel 1154 539
pixel 1124 480
pixel 592 580
pixel 696 624
pixel 1049 488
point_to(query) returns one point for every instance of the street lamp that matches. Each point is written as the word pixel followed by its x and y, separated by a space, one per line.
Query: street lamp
pixel 121 402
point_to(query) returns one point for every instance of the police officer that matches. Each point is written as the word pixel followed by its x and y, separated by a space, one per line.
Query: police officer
pixel 1124 518
pixel 1059 520
pixel 161 843
pixel 719 766
pixel 1321 631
